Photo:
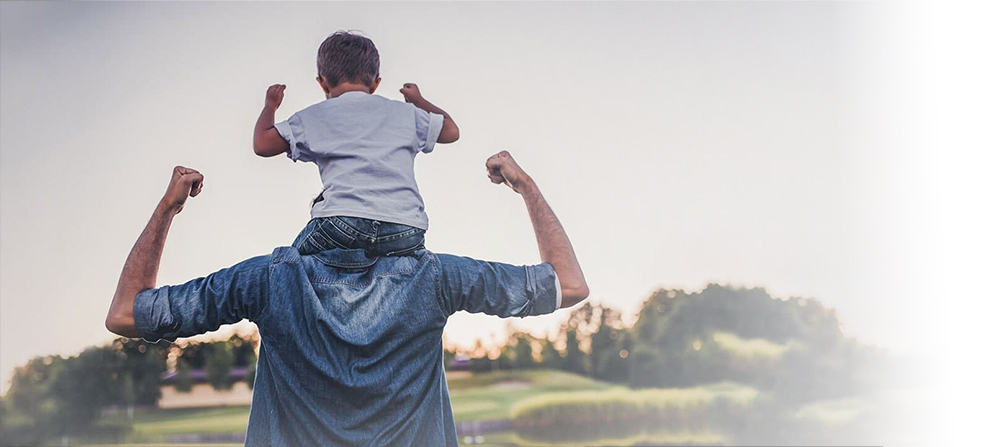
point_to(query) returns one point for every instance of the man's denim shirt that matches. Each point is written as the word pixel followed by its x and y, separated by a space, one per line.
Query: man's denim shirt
pixel 351 350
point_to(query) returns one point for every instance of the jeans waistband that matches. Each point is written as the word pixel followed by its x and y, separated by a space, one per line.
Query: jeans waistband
pixel 392 231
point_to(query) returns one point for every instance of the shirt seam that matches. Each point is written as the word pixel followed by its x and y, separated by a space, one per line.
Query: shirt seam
pixel 532 285
pixel 364 284
pixel 292 144
pixel 438 274
pixel 268 296
pixel 558 291
pixel 431 139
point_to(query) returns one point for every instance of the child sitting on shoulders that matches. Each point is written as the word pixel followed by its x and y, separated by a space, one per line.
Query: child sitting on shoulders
pixel 364 146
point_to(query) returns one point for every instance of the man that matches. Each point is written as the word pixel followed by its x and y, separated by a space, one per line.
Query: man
pixel 351 350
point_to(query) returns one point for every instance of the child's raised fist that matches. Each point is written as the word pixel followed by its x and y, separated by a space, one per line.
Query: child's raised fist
pixel 274 95
pixel 411 92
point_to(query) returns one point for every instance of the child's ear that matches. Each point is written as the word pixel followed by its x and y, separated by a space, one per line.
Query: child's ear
pixel 323 84
pixel 376 83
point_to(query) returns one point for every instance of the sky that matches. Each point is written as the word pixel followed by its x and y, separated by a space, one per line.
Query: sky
pixel 775 145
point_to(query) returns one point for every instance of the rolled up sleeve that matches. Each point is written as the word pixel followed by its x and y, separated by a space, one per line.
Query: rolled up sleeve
pixel 496 288
pixel 293 131
pixel 204 304
pixel 427 129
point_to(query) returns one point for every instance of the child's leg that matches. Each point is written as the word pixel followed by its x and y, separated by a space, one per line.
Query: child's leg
pixel 396 239
pixel 301 238
pixel 378 238
pixel 318 236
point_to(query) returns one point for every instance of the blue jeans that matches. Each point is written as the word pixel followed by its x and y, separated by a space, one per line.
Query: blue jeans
pixel 376 237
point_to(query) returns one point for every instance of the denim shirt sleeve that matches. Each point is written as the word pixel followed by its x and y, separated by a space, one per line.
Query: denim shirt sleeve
pixel 294 132
pixel 497 289
pixel 204 304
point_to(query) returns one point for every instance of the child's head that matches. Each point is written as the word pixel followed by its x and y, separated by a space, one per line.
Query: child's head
pixel 345 57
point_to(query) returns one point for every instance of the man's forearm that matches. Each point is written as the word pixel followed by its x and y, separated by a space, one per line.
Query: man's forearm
pixel 554 245
pixel 140 271
pixel 551 238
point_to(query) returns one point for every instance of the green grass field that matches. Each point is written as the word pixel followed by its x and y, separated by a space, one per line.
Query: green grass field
pixel 161 424
pixel 492 395
pixel 475 397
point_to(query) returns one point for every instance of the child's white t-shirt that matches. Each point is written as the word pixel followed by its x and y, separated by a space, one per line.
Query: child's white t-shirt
pixel 365 147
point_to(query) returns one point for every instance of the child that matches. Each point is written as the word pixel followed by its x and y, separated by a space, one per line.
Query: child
pixel 365 147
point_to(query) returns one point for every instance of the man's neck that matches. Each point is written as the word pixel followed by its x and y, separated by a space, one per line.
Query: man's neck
pixel 348 87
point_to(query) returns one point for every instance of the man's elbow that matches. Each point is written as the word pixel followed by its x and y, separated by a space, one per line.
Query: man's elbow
pixel 113 325
pixel 120 325
pixel 574 295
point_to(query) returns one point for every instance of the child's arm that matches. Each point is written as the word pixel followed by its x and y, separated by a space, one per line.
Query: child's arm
pixel 450 133
pixel 267 141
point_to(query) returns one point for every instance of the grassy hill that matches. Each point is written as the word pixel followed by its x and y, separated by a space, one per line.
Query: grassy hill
pixel 488 396
pixel 493 395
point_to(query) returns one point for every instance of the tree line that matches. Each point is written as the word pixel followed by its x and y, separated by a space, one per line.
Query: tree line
pixel 55 396
pixel 792 347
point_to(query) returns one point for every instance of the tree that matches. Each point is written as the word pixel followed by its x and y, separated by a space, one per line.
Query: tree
pixel 481 364
pixel 244 349
pixel 605 346
pixel 252 370
pixel 575 358
pixel 550 357
pixel 524 352
pixel 219 363
pixel 608 354
pixel 145 363
pixel 196 353
pixel 448 358
pixel 29 408
pixel 85 384
pixel 54 396
pixel 678 341
pixel 183 376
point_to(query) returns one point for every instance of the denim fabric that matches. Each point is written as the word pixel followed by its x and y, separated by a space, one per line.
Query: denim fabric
pixel 376 237
pixel 351 350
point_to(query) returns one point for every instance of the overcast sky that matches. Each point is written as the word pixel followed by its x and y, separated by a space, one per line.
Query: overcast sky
pixel 751 144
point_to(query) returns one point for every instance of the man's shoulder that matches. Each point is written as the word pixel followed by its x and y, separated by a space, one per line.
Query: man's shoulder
pixel 285 254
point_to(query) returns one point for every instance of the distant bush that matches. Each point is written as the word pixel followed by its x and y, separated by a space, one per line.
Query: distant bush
pixel 618 414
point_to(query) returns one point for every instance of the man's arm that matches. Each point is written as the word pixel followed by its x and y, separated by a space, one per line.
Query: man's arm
pixel 267 141
pixel 553 243
pixel 140 271
pixel 450 132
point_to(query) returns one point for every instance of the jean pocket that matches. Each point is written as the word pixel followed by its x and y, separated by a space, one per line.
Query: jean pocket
pixel 402 245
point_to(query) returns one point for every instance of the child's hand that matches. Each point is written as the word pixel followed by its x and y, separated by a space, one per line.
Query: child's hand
pixel 411 93
pixel 274 96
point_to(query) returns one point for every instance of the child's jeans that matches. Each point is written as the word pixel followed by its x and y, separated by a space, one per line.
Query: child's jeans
pixel 376 237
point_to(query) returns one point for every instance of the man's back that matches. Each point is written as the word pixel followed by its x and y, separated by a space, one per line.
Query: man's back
pixel 351 349
pixel 357 344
